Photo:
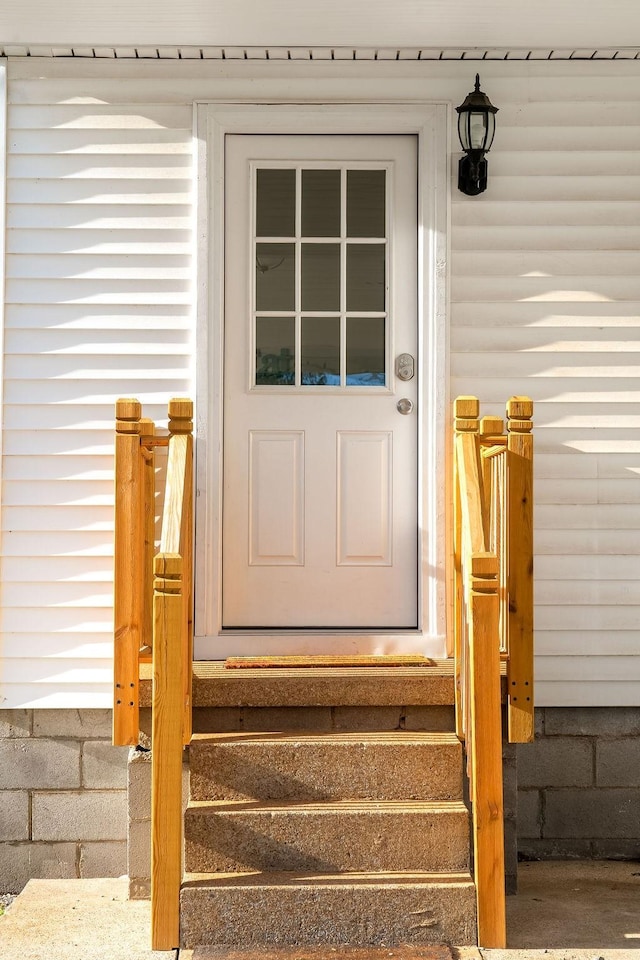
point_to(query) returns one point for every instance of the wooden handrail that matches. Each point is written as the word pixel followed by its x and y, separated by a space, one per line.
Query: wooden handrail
pixel 493 619
pixel 153 618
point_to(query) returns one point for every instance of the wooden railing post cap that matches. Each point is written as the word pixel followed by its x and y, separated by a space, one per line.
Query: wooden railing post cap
pixel 484 565
pixel 466 408
pixel 465 412
pixel 167 565
pixel 128 408
pixel 519 408
pixel 147 433
pixel 180 415
pixel 181 408
pixel 491 426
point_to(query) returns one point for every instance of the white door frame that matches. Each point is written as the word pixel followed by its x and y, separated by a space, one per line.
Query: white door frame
pixel 430 123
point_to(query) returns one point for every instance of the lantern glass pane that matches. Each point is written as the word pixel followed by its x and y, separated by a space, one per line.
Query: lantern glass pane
pixel 491 129
pixel 478 130
pixel 463 130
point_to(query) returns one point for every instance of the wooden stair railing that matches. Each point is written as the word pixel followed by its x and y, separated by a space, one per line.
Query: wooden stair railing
pixel 153 606
pixel 493 620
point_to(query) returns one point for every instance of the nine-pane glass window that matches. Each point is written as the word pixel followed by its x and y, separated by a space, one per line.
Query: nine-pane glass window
pixel 320 298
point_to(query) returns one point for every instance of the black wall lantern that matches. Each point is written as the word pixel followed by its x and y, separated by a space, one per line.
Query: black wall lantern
pixel 476 127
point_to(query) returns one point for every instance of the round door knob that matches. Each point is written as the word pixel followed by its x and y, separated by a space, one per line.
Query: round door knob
pixel 404 406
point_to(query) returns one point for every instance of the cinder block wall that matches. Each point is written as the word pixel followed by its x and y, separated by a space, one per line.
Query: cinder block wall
pixel 63 789
pixel 63 797
pixel 579 784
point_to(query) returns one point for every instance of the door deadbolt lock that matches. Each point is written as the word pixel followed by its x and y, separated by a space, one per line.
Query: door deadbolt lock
pixel 404 367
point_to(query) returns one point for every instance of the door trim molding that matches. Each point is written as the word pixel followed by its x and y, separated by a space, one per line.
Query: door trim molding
pixel 429 121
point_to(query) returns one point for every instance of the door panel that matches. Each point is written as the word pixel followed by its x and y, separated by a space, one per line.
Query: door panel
pixel 320 468
pixel 364 509
pixel 276 497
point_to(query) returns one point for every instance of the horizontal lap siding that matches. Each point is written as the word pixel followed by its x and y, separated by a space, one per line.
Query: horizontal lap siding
pixel 546 302
pixel 99 294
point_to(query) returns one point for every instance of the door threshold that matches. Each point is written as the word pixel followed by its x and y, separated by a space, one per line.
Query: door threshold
pixel 320 632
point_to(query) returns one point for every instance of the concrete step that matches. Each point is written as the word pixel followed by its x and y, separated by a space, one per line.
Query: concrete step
pixel 394 765
pixel 343 951
pixel 355 909
pixel 216 686
pixel 330 837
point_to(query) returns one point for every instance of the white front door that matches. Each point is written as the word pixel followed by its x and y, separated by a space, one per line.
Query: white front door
pixel 320 484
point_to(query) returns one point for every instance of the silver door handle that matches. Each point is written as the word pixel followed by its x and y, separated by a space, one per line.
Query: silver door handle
pixel 404 406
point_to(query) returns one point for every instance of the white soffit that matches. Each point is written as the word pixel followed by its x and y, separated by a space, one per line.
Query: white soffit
pixel 359 24
pixel 316 53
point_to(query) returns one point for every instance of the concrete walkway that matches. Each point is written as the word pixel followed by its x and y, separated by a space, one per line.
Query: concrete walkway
pixel 586 910
pixel 589 906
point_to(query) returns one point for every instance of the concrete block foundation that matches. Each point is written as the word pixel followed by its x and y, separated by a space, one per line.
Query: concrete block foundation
pixel 579 785
pixel 63 787
pixel 63 797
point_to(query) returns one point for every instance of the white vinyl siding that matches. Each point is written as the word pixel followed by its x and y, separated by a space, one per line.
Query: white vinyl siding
pixel 98 305
pixel 545 301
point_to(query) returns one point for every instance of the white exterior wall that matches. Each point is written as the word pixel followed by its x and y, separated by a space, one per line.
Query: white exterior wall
pixel 98 300
pixel 545 295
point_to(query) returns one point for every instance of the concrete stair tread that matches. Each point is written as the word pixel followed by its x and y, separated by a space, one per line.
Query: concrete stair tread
pixel 259 878
pixel 314 766
pixel 325 952
pixel 288 807
pixel 357 909
pixel 312 737
pixel 327 836
pixel 216 686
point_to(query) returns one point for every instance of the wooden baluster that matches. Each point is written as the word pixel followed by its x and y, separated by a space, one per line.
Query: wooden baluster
pixel 491 428
pixel 181 423
pixel 499 464
pixel 485 742
pixel 520 495
pixel 492 432
pixel 465 413
pixel 128 571
pixel 149 497
pixel 166 743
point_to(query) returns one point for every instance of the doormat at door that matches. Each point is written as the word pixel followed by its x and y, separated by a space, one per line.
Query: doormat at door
pixel 390 660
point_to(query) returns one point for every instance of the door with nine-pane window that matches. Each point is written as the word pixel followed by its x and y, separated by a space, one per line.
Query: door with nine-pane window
pixel 320 478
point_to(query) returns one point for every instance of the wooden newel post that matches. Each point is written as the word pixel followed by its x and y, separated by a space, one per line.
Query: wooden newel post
pixel 167 717
pixel 181 424
pixel 486 749
pixel 128 571
pixel 520 494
